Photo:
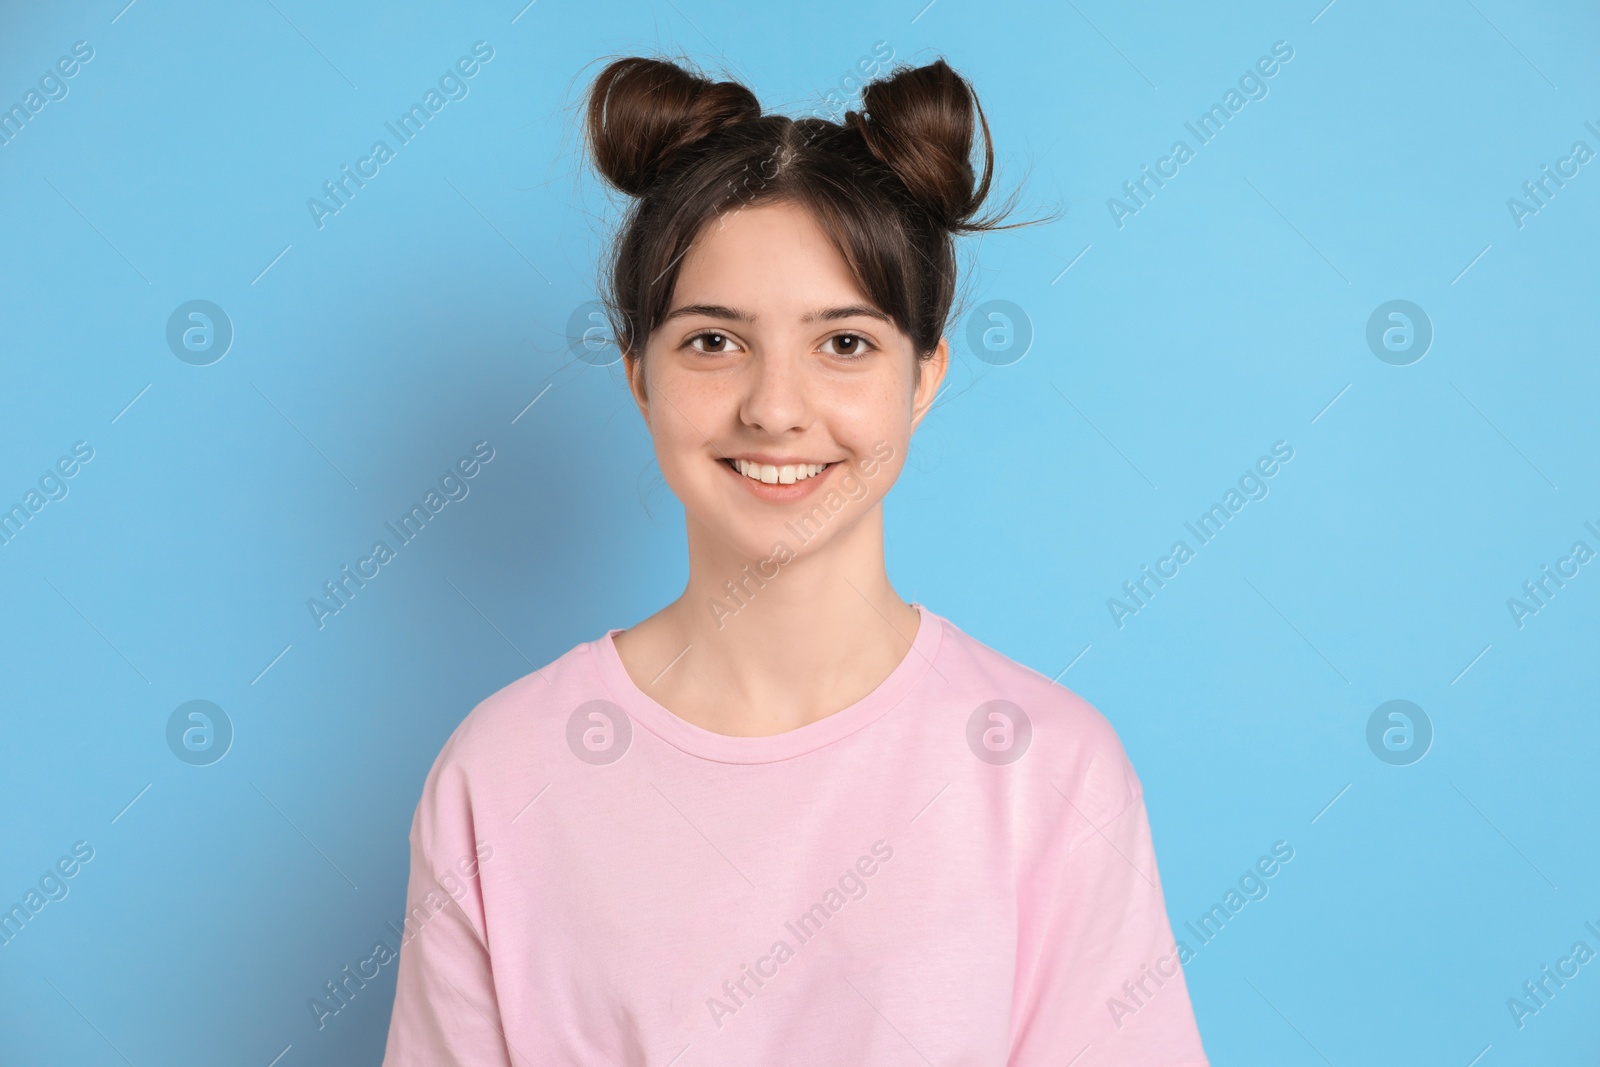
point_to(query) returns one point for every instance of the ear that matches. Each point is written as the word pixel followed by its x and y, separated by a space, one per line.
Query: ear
pixel 929 379
pixel 634 367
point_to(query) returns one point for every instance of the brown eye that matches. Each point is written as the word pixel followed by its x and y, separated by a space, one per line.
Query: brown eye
pixel 849 345
pixel 717 343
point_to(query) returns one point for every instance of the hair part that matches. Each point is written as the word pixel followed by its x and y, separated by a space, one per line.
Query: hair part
pixel 891 185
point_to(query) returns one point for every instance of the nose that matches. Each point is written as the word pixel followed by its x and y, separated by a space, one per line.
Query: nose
pixel 776 393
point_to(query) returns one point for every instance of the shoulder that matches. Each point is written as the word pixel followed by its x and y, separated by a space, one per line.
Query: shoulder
pixel 1072 751
pixel 512 736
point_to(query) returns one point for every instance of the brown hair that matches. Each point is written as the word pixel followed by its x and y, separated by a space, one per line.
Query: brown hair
pixel 891 185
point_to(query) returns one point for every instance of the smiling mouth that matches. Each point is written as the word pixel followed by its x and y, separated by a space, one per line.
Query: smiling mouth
pixel 787 474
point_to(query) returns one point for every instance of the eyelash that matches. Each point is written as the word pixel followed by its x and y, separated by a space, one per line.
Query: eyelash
pixel 692 338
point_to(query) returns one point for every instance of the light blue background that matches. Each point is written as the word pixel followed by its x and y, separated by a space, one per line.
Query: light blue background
pixel 431 311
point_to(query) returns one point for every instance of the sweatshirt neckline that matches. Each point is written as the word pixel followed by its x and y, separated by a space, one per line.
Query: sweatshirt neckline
pixel 724 748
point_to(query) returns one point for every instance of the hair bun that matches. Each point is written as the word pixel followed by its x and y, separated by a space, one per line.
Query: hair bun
pixel 644 112
pixel 919 122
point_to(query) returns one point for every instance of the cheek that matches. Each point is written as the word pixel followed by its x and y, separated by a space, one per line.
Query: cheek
pixel 872 430
pixel 684 409
pixel 884 472
pixel 876 405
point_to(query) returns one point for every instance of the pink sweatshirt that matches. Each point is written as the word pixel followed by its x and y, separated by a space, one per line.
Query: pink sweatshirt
pixel 956 869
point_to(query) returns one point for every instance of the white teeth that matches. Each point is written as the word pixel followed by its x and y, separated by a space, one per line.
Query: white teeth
pixel 774 475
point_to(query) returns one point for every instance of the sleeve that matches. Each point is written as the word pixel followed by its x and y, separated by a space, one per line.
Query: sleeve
pixel 1099 973
pixel 445 1008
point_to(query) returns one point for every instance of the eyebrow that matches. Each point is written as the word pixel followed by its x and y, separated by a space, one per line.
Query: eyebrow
pixel 722 311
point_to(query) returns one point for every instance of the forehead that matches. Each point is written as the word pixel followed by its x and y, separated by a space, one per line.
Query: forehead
pixel 774 257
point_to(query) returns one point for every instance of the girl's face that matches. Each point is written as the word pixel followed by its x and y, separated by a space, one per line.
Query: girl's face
pixel 772 363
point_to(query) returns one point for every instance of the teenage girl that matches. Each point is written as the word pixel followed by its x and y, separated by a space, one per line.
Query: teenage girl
pixel 790 818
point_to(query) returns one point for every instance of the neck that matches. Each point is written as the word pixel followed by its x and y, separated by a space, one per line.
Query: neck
pixel 776 642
